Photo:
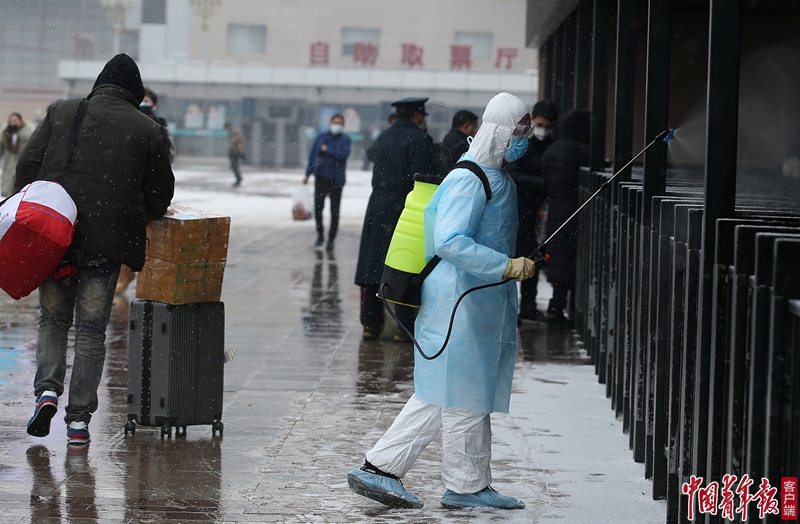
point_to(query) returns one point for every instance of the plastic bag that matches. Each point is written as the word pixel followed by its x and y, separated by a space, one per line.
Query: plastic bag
pixel 301 204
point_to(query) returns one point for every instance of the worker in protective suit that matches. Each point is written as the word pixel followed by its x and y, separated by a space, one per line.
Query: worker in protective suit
pixel 457 391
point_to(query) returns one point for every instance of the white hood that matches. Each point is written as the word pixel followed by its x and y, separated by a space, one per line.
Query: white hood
pixel 502 114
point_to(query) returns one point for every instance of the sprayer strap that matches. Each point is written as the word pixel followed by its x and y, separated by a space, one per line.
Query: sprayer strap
pixel 476 169
pixel 432 263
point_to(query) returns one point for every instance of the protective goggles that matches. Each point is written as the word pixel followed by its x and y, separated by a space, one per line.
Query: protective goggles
pixel 523 131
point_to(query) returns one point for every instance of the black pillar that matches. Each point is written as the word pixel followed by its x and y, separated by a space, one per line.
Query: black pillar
pixel 558 66
pixel 657 102
pixel 625 84
pixel 547 51
pixel 584 66
pixel 599 85
pixel 570 44
pixel 655 184
pixel 722 122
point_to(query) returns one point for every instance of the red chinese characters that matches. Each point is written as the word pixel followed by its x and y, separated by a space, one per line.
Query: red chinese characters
pixel 460 56
pixel 320 51
pixel 365 53
pixel 722 497
pixel 789 498
pixel 412 55
pixel 507 53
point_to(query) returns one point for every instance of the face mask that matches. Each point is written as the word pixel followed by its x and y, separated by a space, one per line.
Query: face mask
pixel 13 128
pixel 541 133
pixel 336 129
pixel 147 109
pixel 516 149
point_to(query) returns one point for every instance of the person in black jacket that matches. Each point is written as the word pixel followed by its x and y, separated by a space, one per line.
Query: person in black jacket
pixel 561 164
pixel 531 195
pixel 454 144
pixel 119 177
pixel 400 152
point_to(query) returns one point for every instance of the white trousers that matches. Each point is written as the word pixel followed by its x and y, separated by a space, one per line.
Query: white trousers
pixel 466 444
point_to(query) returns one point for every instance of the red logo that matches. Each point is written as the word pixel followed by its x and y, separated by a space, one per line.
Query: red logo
pixel 789 498
pixel 722 497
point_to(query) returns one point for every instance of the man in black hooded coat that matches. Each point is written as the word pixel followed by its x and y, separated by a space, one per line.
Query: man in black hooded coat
pixel 119 177
pixel 561 164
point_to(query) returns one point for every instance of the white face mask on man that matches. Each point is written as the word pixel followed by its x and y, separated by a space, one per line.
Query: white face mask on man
pixel 541 133
pixel 336 129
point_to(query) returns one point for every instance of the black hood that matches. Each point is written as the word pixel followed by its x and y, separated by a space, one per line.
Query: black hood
pixel 122 71
pixel 575 125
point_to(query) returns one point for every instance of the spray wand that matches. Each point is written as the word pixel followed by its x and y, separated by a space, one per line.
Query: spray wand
pixel 537 256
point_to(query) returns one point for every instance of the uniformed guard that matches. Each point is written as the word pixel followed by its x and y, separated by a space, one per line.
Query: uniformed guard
pixel 401 151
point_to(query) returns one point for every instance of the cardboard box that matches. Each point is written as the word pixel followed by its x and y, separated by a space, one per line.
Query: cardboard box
pixel 189 237
pixel 186 254
pixel 180 282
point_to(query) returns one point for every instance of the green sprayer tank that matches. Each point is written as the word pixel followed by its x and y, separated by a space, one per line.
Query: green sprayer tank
pixel 406 256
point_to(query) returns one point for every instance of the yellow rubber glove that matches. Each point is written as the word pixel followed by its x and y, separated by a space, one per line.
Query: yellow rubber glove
pixel 519 269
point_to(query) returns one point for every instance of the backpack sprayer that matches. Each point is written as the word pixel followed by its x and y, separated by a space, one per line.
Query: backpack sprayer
pixel 406 268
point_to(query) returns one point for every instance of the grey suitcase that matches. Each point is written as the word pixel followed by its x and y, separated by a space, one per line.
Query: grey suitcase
pixel 176 356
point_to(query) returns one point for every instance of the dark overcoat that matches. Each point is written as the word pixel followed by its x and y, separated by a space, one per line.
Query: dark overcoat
pixel 119 175
pixel 454 144
pixel 401 151
pixel 561 165
pixel 531 192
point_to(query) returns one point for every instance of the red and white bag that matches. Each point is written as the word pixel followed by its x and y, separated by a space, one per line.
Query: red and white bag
pixel 36 227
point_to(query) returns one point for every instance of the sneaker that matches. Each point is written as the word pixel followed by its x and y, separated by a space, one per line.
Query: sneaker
pixel 386 490
pixel 485 498
pixel 329 246
pixel 319 242
pixel 46 407
pixel 77 433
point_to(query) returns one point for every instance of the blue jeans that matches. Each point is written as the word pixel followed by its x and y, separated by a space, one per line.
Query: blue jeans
pixel 88 296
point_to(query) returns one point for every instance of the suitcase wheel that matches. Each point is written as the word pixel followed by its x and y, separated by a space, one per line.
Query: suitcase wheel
pixel 130 427
pixel 217 426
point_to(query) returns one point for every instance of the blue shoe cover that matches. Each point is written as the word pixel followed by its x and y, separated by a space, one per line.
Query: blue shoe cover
pixel 385 490
pixel 486 498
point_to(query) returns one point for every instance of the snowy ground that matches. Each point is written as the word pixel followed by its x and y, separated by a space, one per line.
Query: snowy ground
pixel 569 457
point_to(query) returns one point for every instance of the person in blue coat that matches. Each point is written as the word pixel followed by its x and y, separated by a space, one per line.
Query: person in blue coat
pixel 327 162
pixel 456 392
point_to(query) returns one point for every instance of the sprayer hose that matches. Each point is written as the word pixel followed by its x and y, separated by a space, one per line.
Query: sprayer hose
pixel 382 296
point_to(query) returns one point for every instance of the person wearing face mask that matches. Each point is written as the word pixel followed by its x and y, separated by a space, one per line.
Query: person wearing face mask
pixel 149 106
pixel 13 138
pixel 456 392
pixel 531 195
pixel 561 165
pixel 327 161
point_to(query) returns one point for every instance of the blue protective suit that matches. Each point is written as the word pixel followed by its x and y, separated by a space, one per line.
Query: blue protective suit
pixel 475 238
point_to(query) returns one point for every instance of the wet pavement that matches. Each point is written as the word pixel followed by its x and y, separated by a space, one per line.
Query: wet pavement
pixel 305 397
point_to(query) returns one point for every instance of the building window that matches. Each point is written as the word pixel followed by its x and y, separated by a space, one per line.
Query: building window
pixel 154 11
pixel 247 39
pixel 481 44
pixel 354 35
